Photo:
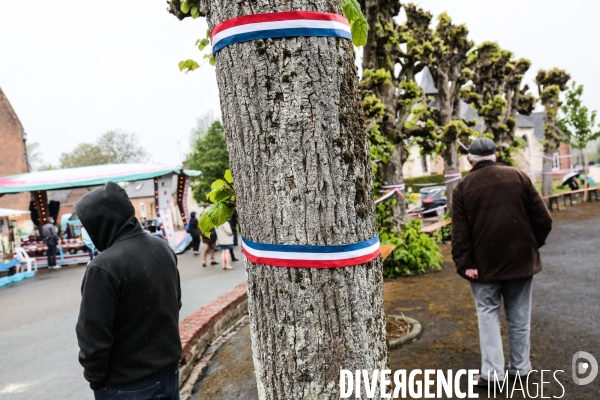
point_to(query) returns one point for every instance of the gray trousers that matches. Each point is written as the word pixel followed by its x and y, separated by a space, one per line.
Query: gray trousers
pixel 516 294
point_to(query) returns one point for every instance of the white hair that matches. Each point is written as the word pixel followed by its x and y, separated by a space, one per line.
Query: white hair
pixel 475 158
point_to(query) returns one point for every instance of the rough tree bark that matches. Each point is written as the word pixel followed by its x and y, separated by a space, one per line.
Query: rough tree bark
pixel 547 164
pixel 299 156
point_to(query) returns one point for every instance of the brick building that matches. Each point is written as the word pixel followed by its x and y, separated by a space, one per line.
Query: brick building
pixel 13 156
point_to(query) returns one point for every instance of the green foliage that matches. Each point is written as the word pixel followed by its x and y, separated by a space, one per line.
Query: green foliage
pixel 190 8
pixel 222 196
pixel 578 123
pixel 191 65
pixel 550 84
pixel 113 147
pixel 83 155
pixel 35 158
pixel 188 65
pixel 209 156
pixel 415 252
pixel 496 94
pixel 445 233
pixel 358 23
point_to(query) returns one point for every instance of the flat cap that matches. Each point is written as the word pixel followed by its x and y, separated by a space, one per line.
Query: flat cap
pixel 482 147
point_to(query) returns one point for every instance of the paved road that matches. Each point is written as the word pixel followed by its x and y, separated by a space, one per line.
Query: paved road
pixel 38 346
pixel 565 320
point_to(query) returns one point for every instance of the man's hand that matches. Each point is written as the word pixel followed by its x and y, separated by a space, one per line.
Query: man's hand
pixel 472 273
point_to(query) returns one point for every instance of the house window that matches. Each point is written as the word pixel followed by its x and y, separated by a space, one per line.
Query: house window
pixel 424 164
pixel 556 162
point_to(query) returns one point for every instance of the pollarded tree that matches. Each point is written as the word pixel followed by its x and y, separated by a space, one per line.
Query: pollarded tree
pixel 497 94
pixel 299 155
pixel 391 60
pixel 446 58
pixel 550 85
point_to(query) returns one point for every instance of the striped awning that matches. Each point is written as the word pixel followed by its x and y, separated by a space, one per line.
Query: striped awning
pixel 86 176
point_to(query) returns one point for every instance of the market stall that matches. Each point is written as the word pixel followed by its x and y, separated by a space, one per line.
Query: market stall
pixel 11 239
pixel 71 248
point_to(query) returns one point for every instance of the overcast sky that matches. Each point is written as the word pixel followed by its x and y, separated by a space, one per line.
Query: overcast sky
pixel 74 69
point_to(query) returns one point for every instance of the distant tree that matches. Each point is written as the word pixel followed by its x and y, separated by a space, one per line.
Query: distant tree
pixel 83 155
pixel 35 157
pixel 211 157
pixel 550 85
pixel 446 57
pixel 388 96
pixel 577 122
pixel 497 95
pixel 122 147
pixel 203 123
pixel 113 147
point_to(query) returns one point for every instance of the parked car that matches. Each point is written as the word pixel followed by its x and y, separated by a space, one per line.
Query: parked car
pixel 433 197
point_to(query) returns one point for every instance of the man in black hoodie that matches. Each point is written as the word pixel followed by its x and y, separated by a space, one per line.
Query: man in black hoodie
pixel 128 321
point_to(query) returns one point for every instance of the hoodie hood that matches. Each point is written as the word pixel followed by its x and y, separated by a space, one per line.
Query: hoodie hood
pixel 108 215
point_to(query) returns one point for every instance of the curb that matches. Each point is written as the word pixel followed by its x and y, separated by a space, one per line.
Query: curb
pixel 410 336
pixel 200 329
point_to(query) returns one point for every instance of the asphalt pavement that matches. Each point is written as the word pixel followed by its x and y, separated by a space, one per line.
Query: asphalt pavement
pixel 565 320
pixel 38 345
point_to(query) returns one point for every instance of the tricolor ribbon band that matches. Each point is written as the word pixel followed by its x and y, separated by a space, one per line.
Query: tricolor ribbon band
pixel 278 25
pixel 311 256
pixel 453 177
pixel 557 157
pixel 420 213
pixel 391 190
pixel 462 145
pixel 554 171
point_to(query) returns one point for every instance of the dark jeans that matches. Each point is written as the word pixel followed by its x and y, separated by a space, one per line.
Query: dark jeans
pixel 195 243
pixel 51 254
pixel 163 385
pixel 235 235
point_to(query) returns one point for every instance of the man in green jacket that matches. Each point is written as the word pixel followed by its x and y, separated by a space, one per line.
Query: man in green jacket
pixel 499 222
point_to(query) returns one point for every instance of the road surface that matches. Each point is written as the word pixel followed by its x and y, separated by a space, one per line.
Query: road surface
pixel 38 346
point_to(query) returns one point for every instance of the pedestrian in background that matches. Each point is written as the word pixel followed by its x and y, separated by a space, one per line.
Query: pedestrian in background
pixel 225 242
pixel 50 234
pixel 499 222
pixel 128 325
pixel 233 223
pixel 209 246
pixel 194 231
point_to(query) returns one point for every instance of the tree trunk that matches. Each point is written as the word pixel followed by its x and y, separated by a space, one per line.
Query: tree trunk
pixel 393 122
pixel 392 173
pixel 299 156
pixel 449 110
pixel 450 156
pixel 549 150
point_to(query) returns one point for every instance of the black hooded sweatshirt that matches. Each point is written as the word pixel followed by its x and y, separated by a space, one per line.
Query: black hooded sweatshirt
pixel 128 321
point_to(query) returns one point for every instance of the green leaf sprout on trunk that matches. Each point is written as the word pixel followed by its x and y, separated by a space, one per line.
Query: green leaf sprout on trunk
pixel 191 65
pixel 222 196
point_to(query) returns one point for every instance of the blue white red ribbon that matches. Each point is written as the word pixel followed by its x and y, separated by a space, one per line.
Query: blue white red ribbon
pixel 391 190
pixel 453 177
pixel 278 25
pixel 311 256
pixel 421 212
pixel 462 145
